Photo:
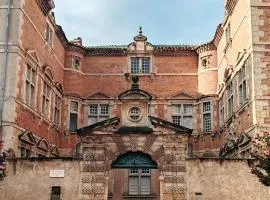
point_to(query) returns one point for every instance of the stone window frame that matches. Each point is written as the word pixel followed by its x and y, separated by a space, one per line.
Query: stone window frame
pixel 139 116
pixel 30 85
pixel 242 85
pixel 181 114
pixel 57 109
pixel 139 174
pixel 75 65
pixel 222 110
pixel 205 114
pixel 49 33
pixel 98 115
pixel 140 64
pixel 74 111
pixel 230 99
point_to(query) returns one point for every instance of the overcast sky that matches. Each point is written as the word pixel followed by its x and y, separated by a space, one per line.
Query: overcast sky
pixel 109 22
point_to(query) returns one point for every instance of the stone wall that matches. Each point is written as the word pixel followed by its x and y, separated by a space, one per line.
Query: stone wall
pixel 31 180
pixel 213 179
pixel 223 179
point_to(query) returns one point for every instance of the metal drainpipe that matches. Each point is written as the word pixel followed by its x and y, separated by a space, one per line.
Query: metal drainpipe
pixel 3 83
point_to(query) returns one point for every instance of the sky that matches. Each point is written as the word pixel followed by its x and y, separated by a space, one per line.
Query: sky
pixel 116 22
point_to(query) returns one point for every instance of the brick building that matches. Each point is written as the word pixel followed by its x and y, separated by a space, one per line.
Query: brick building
pixel 140 107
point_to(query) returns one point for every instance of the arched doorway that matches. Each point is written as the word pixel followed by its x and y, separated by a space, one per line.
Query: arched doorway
pixel 134 175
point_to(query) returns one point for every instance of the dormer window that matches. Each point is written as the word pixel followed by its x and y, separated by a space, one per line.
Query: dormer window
pixel 76 62
pixel 140 65
pixel 204 62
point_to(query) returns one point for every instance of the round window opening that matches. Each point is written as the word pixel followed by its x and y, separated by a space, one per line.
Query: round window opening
pixel 135 113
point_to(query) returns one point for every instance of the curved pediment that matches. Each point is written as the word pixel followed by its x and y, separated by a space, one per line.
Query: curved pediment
pixel 135 95
pixel 98 95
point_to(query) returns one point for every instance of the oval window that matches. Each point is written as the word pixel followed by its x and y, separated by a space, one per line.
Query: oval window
pixel 134 113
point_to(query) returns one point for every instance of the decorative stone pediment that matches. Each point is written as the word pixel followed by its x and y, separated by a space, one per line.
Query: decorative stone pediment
pixel 140 44
pixel 54 151
pixel 135 93
pixel 33 58
pixel 244 139
pixel 59 87
pixel 43 145
pixel 166 124
pixel 228 73
pixel 182 95
pixel 98 95
pixel 28 137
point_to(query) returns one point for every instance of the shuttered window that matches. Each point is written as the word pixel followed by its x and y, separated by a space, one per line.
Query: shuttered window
pixel 139 182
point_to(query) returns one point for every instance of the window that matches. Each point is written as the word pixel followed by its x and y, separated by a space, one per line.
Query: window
pixel 97 113
pixel 139 181
pixel 228 33
pixel 46 99
pixel 134 113
pixel 198 196
pixel 242 85
pixel 73 116
pixel 230 99
pixel 222 110
pixel 57 110
pixel 182 115
pixel 25 153
pixel 49 34
pixel 30 85
pixel 76 62
pixel 204 62
pixel 207 121
pixel 140 65
pixel 55 193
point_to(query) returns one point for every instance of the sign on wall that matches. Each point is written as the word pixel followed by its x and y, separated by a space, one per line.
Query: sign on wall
pixel 57 173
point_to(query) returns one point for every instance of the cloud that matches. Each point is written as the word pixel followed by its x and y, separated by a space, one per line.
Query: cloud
pixel 101 22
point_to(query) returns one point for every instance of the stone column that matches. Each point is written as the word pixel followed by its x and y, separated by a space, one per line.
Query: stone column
pixel 106 187
pixel 161 182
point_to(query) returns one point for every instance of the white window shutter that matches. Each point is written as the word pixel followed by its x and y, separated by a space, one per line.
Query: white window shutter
pixel 145 185
pixel 134 185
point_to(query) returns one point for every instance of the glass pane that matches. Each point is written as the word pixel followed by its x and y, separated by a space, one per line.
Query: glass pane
pixel 29 70
pixel 145 65
pixel 33 77
pixel 73 122
pixel 177 120
pixel 133 171
pixel 176 109
pixel 104 109
pixel 135 68
pixel 207 122
pixel 93 109
pixel 206 106
pixel 146 171
pixel 187 109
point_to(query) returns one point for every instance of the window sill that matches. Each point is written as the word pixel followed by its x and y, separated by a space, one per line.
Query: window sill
pixel 242 108
pixel 151 196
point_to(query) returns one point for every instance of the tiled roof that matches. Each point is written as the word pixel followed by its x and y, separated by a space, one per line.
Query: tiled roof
pixel 174 50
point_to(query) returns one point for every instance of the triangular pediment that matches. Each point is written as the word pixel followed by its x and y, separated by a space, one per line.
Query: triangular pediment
pixel 34 56
pixel 182 96
pixel 54 151
pixel 166 124
pixel 244 139
pixel 98 95
pixel 43 145
pixel 28 137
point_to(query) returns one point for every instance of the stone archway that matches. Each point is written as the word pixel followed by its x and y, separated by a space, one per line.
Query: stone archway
pixel 101 150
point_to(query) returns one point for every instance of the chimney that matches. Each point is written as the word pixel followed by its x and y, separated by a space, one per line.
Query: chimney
pixel 77 41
